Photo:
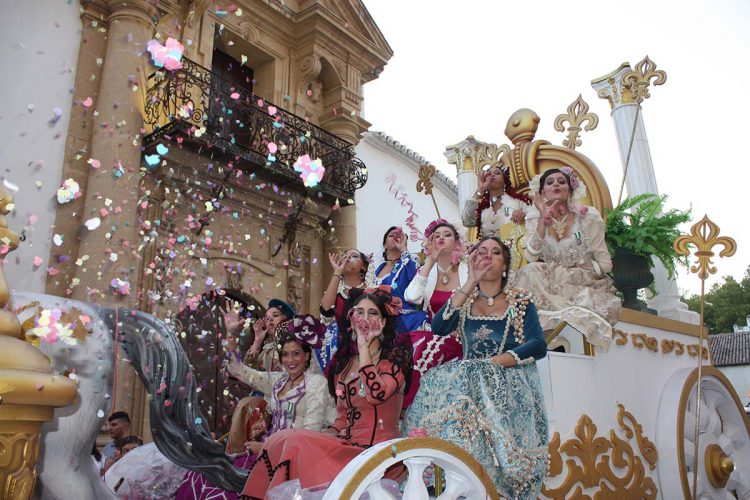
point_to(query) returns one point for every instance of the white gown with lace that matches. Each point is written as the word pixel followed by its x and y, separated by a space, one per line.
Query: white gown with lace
pixel 567 277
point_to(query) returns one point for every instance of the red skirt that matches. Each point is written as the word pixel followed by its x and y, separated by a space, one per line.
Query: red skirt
pixel 315 458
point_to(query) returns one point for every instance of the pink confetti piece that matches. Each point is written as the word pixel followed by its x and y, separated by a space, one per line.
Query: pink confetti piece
pixel 38 261
pixel 167 56
pixel 272 110
pixel 86 103
pixel 94 163
pixel 235 95
pixel 32 219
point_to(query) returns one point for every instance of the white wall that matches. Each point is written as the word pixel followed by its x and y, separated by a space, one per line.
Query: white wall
pixel 378 209
pixel 739 376
pixel 39 43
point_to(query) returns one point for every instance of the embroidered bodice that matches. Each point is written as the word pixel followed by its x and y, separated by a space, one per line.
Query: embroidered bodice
pixel 584 245
pixel 492 220
pixel 401 275
pixel 368 405
pixel 305 406
pixel 517 331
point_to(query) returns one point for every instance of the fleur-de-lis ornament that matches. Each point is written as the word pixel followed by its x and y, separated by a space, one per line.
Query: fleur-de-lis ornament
pixel 425 179
pixel 639 79
pixel 578 114
pixel 424 183
pixel 705 236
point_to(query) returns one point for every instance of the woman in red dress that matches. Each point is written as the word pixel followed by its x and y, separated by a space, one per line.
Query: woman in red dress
pixel 368 377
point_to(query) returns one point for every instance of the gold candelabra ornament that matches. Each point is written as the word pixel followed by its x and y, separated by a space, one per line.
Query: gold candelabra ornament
pixel 426 172
pixel 29 392
pixel 578 114
pixel 704 235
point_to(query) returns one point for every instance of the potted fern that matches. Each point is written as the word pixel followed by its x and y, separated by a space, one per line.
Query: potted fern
pixel 638 230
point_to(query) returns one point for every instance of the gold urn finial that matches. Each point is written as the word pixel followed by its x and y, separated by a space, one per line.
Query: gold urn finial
pixel 522 126
pixel 29 392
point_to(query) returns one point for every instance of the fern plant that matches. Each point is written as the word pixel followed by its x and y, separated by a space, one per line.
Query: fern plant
pixel 638 225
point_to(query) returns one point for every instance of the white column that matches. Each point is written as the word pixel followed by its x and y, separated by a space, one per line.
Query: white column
pixel 640 179
pixel 465 156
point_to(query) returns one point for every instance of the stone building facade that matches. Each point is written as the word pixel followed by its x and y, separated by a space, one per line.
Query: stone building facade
pixel 223 218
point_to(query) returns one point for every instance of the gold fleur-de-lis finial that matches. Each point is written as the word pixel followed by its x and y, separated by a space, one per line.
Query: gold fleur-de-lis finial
pixel 426 172
pixel 639 79
pixel 425 179
pixel 705 236
pixel 578 114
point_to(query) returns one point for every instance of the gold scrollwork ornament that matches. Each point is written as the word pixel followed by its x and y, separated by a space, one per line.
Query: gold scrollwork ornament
pixel 594 462
pixel 639 79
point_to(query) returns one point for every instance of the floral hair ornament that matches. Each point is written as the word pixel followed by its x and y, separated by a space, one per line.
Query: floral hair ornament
pixel 307 330
pixel 433 225
pixel 393 305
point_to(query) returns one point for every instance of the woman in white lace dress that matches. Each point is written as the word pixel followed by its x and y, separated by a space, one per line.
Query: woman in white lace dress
pixel 495 204
pixel 568 260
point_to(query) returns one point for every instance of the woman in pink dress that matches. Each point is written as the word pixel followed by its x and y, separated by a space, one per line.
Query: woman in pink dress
pixel 443 271
pixel 368 377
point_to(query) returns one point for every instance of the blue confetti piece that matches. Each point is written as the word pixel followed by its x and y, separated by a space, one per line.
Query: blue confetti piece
pixel 152 160
pixel 162 149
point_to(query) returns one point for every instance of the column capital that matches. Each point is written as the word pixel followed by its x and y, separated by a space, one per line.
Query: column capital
pixel 629 86
pixel 472 154
pixel 140 11
pixel 94 9
pixel 610 87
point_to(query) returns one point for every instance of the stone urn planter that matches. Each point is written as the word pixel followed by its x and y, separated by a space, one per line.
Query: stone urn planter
pixel 632 272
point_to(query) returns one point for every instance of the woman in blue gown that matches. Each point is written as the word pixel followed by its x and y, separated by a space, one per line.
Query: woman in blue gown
pixel 397 270
pixel 490 403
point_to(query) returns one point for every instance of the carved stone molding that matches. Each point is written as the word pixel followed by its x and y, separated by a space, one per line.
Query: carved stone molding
pixel 612 465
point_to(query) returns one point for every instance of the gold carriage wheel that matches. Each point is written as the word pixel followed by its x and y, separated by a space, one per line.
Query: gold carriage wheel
pixel 718 466
pixel 374 461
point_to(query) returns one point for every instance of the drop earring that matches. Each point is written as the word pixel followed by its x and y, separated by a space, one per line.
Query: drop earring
pixel 505 273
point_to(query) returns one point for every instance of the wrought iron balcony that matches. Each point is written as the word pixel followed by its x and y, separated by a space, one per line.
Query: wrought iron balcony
pixel 202 106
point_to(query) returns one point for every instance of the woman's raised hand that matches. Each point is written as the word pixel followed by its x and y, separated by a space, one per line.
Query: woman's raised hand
pixel 483 182
pixel 400 240
pixel 478 266
pixel 338 262
pixel 518 216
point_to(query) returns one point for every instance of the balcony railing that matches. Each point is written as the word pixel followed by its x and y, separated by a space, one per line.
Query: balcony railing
pixel 204 107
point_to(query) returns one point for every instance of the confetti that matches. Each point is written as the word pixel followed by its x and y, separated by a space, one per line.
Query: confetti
pixel 311 171
pixel 69 191
pixel 48 327
pixel 86 103
pixel 10 186
pixel 167 56
pixel 56 114
pixel 120 287
pixel 38 261
pixel 94 163
pixel 162 149
pixel 57 239
pixel 152 160
pixel 100 414
pixel 235 95
pixel 93 223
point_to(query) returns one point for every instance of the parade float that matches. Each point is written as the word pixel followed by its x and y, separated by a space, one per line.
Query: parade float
pixel 647 418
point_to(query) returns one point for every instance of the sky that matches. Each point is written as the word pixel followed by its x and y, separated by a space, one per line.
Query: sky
pixel 462 68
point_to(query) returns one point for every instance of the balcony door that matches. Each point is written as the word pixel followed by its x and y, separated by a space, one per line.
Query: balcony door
pixel 230 116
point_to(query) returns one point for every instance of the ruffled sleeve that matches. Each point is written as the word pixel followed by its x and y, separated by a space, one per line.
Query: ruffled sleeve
pixel 533 347
pixel 317 403
pixel 262 381
pixel 382 381
pixel 414 293
pixel 469 214
pixel 593 227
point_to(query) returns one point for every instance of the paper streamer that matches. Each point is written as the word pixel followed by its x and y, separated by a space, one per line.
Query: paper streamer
pixel 414 233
